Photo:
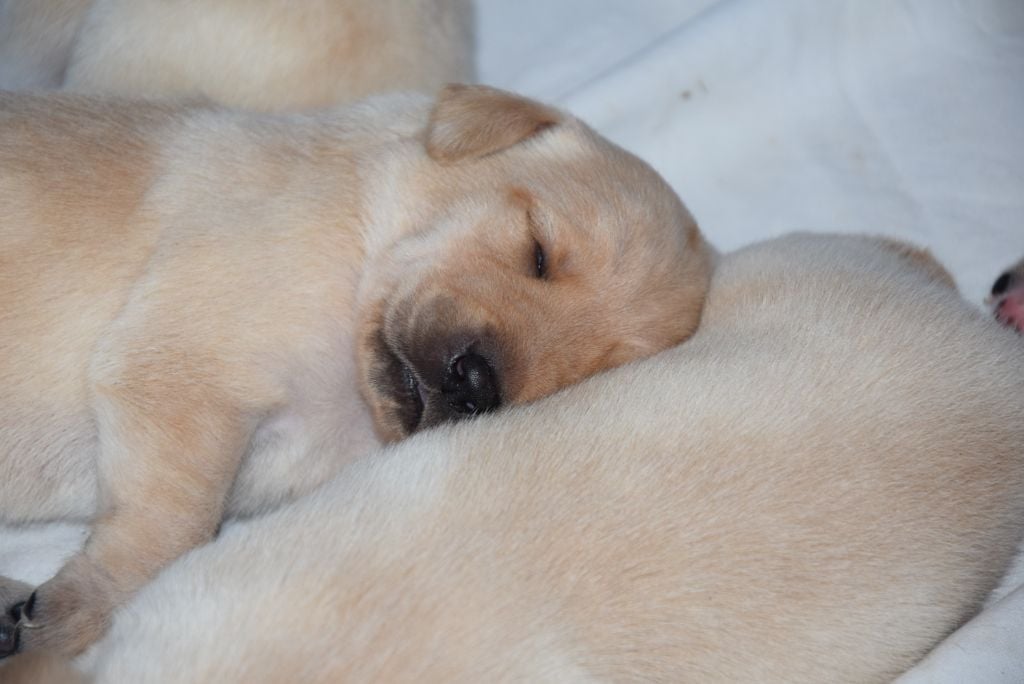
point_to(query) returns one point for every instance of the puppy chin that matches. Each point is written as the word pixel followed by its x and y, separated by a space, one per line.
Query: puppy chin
pixel 396 400
pixel 373 374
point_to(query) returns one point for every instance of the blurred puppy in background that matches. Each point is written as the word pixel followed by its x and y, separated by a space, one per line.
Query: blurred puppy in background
pixel 267 55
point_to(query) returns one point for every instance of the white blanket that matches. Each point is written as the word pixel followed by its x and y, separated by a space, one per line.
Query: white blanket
pixel 900 117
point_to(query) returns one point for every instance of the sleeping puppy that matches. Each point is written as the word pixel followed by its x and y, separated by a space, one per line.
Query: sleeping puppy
pixel 257 54
pixel 1007 298
pixel 208 312
pixel 820 485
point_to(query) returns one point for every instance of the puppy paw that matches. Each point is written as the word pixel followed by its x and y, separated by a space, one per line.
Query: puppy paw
pixel 66 614
pixel 1007 297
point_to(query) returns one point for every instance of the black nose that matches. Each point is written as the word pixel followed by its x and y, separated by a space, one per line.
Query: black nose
pixel 1002 284
pixel 469 385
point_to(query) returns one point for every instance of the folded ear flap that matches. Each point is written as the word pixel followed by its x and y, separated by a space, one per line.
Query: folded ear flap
pixel 472 121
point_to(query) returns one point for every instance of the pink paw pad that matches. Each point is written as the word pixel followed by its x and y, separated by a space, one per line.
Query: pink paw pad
pixel 1008 296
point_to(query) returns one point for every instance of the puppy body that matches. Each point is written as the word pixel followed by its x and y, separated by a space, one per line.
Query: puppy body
pixel 821 484
pixel 194 301
pixel 258 54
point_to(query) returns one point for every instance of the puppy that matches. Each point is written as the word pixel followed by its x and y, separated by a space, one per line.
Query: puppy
pixel 819 486
pixel 258 54
pixel 1007 298
pixel 208 312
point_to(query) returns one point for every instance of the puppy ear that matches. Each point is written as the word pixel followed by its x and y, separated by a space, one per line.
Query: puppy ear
pixel 468 122
pixel 919 258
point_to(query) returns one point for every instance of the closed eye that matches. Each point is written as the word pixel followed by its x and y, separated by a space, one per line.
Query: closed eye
pixel 539 261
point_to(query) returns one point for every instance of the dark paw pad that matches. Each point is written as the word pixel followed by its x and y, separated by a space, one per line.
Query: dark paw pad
pixel 1002 284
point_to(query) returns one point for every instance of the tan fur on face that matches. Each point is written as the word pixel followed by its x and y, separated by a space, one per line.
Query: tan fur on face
pixel 189 299
pixel 268 55
pixel 818 487
pixel 598 216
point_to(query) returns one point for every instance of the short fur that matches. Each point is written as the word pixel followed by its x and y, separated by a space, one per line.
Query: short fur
pixel 258 54
pixel 819 486
pixel 197 306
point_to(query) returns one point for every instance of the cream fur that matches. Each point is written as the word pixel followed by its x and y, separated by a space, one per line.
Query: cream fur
pixel 193 301
pixel 822 483
pixel 258 54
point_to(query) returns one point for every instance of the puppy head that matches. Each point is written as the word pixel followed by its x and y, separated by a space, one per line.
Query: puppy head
pixel 532 254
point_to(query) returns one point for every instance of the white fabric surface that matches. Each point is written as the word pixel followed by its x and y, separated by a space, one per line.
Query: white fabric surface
pixel 902 117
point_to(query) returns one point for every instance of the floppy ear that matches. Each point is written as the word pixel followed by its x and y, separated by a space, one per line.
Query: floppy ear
pixel 473 121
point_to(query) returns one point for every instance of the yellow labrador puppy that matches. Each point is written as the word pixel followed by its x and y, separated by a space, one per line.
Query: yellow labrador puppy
pixel 207 312
pixel 819 486
pixel 257 54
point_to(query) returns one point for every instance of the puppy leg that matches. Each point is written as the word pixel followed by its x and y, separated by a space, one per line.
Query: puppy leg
pixel 169 453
